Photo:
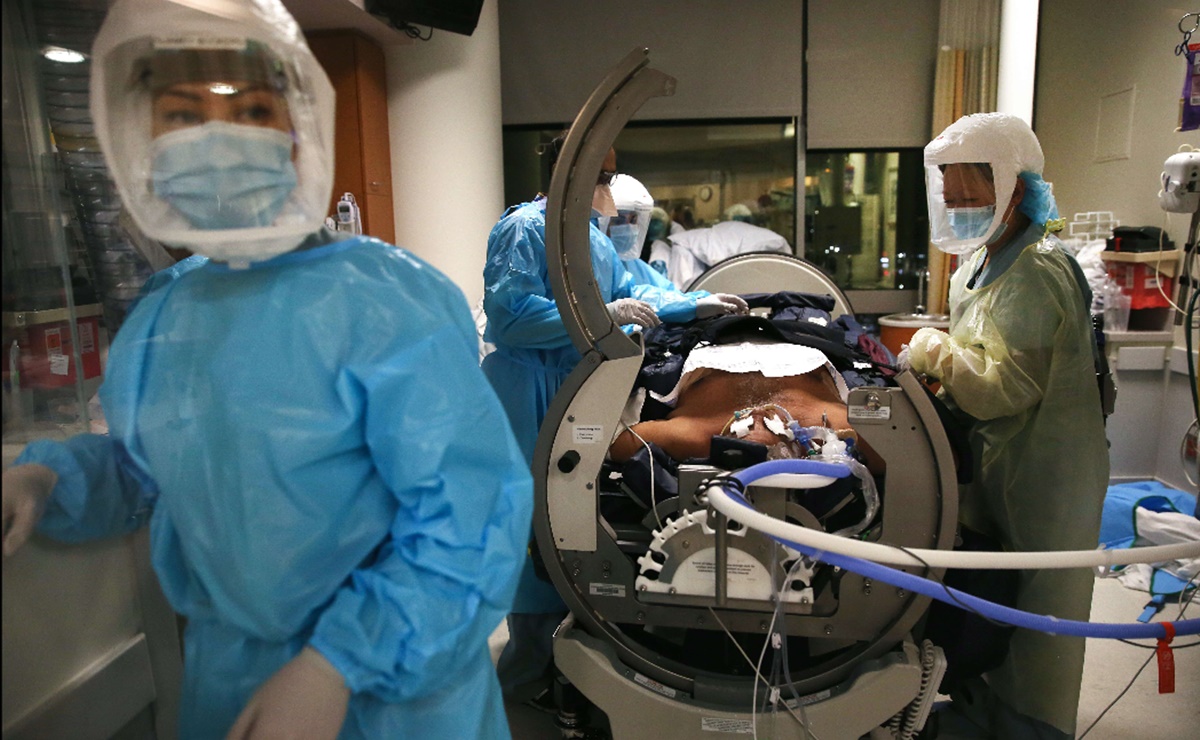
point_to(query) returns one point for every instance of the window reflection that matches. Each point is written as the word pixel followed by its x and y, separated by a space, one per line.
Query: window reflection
pixel 865 218
pixel 865 221
pixel 699 173
pixel 705 173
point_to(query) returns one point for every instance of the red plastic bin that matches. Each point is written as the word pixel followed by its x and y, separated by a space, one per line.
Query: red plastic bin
pixel 1140 281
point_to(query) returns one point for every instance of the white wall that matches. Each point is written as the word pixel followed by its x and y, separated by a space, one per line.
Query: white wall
pixel 870 73
pixel 1086 55
pixel 447 167
pixel 1176 419
pixel 1136 425
pixel 1107 104
pixel 1154 409
pixel 870 63
pixel 732 59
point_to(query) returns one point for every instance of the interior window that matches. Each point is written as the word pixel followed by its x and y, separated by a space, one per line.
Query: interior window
pixel 699 173
pixel 865 217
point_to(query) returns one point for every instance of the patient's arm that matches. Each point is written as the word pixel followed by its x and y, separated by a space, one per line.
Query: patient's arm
pixel 681 438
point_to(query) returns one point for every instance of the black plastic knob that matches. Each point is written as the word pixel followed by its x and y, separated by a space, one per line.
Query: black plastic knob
pixel 568 461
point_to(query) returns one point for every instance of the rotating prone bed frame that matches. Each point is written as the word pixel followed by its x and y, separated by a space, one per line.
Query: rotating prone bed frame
pixel 855 668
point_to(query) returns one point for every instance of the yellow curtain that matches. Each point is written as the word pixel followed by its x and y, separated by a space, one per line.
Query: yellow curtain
pixel 964 83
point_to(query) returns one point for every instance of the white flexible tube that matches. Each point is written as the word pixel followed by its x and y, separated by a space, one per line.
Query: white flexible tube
pixel 720 500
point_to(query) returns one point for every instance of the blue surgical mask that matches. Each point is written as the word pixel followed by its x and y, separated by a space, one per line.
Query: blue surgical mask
pixel 624 238
pixel 224 175
pixel 971 223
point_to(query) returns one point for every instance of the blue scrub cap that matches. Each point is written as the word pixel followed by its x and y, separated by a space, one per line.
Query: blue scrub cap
pixel 1038 202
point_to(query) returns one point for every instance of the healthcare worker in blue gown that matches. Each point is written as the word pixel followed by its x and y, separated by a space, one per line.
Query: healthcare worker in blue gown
pixel 335 501
pixel 629 231
pixel 533 357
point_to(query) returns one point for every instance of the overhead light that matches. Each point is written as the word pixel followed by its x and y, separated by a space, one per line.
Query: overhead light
pixel 221 88
pixel 65 56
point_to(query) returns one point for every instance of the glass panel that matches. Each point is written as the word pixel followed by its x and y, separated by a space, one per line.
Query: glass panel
pixel 704 173
pixel 865 216
pixel 700 173
pixel 865 219
pixel 55 200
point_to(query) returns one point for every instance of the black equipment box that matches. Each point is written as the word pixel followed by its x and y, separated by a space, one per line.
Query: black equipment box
pixel 1138 239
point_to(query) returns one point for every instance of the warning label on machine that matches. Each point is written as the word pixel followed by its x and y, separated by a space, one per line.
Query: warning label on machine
pixel 587 434
pixel 607 589
pixel 709 567
pixel 863 413
pixel 654 686
pixel 729 725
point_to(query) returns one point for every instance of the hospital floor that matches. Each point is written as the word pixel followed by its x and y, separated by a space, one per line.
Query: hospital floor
pixel 1142 714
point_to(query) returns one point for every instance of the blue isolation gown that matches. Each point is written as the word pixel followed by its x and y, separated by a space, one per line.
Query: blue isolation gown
pixel 322 463
pixel 659 288
pixel 534 353
pixel 656 289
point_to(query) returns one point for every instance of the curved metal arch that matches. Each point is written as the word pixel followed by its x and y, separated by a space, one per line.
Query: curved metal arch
pixel 770 272
pixel 568 208
pixel 575 425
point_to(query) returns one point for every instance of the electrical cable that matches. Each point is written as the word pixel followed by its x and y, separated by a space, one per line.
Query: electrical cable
pixel 1162 232
pixel 950 592
pixel 1131 643
pixel 1114 701
pixel 1190 591
pixel 414 32
pixel 1191 360
pixel 1128 686
pixel 653 488
pixel 754 694
pixel 787 671
pixel 1187 280
pixel 1185 603
pixel 1193 429
pixel 749 661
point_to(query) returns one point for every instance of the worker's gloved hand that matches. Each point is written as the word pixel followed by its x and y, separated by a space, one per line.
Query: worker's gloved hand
pixel 930 352
pixel 305 699
pixel 719 304
pixel 632 311
pixel 26 490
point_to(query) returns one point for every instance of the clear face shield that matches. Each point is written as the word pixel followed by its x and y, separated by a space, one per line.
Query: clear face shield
pixel 628 230
pixel 215 145
pixel 964 211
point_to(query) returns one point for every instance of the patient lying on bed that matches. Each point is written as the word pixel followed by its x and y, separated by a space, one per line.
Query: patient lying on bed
pixel 723 386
